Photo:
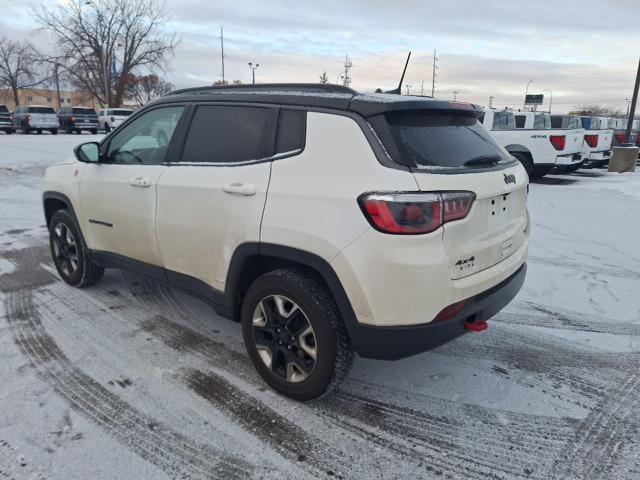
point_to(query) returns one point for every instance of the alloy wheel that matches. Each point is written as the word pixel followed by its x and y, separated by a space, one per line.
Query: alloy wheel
pixel 284 338
pixel 65 249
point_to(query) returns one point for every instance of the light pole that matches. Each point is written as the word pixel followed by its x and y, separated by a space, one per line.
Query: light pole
pixel 526 92
pixel 491 101
pixel 550 100
pixel 455 94
pixel 253 71
pixel 408 88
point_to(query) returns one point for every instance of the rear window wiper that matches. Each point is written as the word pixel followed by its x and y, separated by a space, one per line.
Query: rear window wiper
pixel 483 160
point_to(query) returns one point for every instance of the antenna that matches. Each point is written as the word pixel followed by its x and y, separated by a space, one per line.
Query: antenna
pixel 435 67
pixel 222 53
pixel 398 89
pixel 346 79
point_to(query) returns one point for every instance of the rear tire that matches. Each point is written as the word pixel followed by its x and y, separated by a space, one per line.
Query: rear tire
pixel 69 252
pixel 294 334
pixel 54 131
pixel 526 162
pixel 540 171
pixel 107 129
pixel 94 131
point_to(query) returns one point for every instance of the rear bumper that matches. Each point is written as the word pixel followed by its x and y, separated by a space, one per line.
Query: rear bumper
pixel 43 125
pixel 392 343
pixel 84 126
pixel 596 159
pixel 569 159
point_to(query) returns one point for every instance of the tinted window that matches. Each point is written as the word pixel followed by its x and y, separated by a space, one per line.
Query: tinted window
pixel 541 121
pixel 435 139
pixel 503 121
pixel 291 130
pixel 3 109
pixel 41 110
pixel 225 134
pixel 146 139
pixel 520 119
pixel 595 124
pixel 120 113
pixel 556 122
pixel 84 111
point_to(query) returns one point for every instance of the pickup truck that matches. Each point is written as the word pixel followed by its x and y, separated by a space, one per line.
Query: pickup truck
pixel 6 120
pixel 535 144
pixel 620 132
pixel 597 141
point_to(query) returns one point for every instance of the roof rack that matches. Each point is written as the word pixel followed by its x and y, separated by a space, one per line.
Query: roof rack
pixel 279 87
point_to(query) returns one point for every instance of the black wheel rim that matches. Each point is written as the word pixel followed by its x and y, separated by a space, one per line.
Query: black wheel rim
pixel 284 338
pixel 65 249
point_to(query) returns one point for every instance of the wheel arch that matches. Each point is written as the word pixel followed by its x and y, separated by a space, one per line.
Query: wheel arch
pixel 251 260
pixel 53 201
pixel 517 148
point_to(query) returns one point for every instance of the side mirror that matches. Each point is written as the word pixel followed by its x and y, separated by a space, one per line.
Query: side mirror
pixel 88 152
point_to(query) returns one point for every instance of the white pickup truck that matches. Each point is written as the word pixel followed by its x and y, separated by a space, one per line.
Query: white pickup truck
pixel 598 139
pixel 535 145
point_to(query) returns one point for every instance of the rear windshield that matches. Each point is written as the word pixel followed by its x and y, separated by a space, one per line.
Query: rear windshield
pixel 41 110
pixel 84 111
pixel 503 121
pixel 120 113
pixel 437 139
pixel 541 121
pixel 574 122
pixel 3 109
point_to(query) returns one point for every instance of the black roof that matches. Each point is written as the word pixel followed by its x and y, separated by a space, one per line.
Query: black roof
pixel 318 95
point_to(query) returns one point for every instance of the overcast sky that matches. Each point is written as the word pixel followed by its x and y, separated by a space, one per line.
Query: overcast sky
pixel 584 51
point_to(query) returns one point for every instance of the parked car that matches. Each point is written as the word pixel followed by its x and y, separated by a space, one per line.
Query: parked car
pixel 620 132
pixel 35 118
pixel 6 120
pixel 598 143
pixel 112 117
pixel 76 119
pixel 535 144
pixel 326 221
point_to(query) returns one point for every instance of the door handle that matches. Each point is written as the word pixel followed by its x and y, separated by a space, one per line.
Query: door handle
pixel 238 188
pixel 142 182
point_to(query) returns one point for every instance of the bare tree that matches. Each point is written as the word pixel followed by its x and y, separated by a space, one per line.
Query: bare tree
pixel 95 36
pixel 19 66
pixel 146 88
pixel 596 111
pixel 323 78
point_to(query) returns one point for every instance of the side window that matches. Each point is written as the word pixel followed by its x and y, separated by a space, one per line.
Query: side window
pixel 291 130
pixel 229 134
pixel 146 139
pixel 520 121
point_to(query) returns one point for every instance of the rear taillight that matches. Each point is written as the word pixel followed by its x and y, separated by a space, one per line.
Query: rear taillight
pixel 558 141
pixel 11 118
pixel 592 140
pixel 72 119
pixel 414 213
pixel 621 137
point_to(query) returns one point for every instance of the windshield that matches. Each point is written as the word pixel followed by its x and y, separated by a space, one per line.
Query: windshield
pixel 541 121
pixel 41 110
pixel 84 111
pixel 503 121
pixel 436 139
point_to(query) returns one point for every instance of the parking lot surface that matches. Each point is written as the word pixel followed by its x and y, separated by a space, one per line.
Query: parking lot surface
pixel 132 379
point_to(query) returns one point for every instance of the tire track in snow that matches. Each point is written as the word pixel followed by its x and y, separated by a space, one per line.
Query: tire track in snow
pixel 601 437
pixel 595 270
pixel 28 273
pixel 169 450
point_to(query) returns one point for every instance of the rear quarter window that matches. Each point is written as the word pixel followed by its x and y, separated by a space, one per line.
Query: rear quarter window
pixel 292 130
pixel 541 122
pixel 503 121
pixel 435 139
pixel 520 121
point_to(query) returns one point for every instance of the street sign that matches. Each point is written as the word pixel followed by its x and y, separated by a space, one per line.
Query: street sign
pixel 533 99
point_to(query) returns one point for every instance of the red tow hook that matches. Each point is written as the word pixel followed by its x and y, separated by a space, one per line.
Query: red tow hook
pixel 476 326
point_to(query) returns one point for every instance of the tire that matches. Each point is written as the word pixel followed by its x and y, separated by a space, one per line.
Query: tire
pixel 67 129
pixel 541 171
pixel 69 252
pixel 39 131
pixel 25 130
pixel 526 162
pixel 8 131
pixel 324 351
pixel 575 167
pixel 107 129
pixel 54 131
pixel 94 131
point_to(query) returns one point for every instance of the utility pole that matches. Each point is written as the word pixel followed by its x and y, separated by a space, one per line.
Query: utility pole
pixel 433 78
pixel 422 88
pixel 634 101
pixel 253 71
pixel 455 94
pixel 628 103
pixel 56 79
pixel 346 79
pixel 222 53
pixel 491 102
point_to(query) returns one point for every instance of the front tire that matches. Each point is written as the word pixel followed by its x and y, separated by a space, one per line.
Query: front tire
pixel 69 252
pixel 526 162
pixel 294 334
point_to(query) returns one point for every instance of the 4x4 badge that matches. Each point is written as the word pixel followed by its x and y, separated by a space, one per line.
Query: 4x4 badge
pixel 509 178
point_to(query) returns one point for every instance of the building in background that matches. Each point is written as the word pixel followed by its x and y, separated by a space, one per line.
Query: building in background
pixel 48 97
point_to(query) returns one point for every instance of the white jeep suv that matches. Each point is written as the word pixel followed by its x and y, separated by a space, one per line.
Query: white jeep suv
pixel 327 221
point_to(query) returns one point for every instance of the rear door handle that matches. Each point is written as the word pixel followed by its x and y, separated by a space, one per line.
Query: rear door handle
pixel 239 188
pixel 142 182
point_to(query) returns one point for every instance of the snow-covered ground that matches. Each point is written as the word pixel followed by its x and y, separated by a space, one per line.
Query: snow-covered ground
pixel 133 380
